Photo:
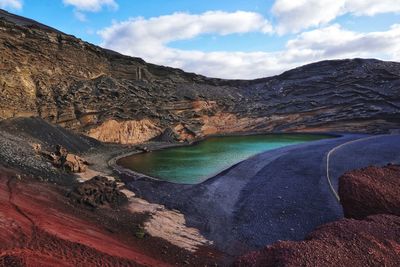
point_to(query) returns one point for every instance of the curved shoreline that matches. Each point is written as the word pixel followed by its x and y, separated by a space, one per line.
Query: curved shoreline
pixel 266 197
pixel 113 162
pixel 335 193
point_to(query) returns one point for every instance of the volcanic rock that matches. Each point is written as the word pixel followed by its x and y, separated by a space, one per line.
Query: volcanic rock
pixel 374 241
pixel 121 99
pixel 68 161
pixel 371 190
pixel 61 158
pixel 98 191
pixel 168 135
pixel 11 260
pixel 38 227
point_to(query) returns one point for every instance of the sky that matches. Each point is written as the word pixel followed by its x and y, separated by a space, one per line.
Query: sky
pixel 239 39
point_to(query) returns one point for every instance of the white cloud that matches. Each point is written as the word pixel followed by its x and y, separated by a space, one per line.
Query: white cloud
pixel 293 16
pixel 79 16
pixel 181 26
pixel 372 7
pixel 13 4
pixel 333 41
pixel 296 15
pixel 149 39
pixel 91 5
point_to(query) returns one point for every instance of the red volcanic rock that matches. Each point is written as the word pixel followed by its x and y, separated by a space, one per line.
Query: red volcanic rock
pixel 12 260
pixel 371 190
pixel 39 227
pixel 374 241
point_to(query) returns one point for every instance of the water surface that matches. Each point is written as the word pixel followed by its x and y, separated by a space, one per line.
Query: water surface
pixel 196 163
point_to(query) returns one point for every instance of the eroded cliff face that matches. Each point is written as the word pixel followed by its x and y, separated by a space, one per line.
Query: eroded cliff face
pixel 116 98
pixel 126 132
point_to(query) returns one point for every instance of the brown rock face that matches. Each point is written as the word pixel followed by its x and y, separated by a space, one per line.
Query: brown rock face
pixel 64 80
pixel 371 242
pixel 126 132
pixel 228 123
pixel 74 163
pixel 371 190
pixel 61 158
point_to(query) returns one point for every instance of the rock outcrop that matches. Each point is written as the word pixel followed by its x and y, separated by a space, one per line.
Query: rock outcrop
pixel 168 135
pixel 98 191
pixel 117 98
pixel 61 158
pixel 18 135
pixel 371 190
pixel 126 132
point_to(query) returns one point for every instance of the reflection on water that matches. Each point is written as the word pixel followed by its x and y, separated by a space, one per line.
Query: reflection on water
pixel 194 164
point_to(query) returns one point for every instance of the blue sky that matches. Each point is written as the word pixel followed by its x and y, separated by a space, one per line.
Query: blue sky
pixel 229 39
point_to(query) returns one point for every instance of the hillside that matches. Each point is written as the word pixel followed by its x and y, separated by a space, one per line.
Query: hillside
pixel 121 99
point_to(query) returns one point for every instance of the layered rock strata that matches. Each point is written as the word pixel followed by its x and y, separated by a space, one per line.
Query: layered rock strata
pixel 116 98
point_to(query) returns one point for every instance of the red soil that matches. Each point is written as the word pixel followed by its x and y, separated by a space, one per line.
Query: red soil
pixel 38 227
pixel 370 191
pixel 348 242
pixel 373 241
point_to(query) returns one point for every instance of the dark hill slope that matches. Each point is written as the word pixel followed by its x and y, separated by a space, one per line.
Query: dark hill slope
pixel 117 98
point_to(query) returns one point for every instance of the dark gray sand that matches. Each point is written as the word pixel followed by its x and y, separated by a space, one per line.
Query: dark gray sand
pixel 281 194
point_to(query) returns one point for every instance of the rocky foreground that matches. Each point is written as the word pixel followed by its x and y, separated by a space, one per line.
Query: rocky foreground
pixel 372 196
pixel 41 226
pixel 51 216
pixel 357 188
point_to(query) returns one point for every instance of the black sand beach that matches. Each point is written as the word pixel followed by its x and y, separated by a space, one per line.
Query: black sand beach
pixel 277 195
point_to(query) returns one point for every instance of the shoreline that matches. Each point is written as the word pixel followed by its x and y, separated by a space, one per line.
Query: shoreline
pixel 224 206
pixel 112 163
pixel 281 194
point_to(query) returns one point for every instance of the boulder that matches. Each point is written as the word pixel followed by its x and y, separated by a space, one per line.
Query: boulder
pixel 74 163
pixel 98 191
pixel 371 190
pixel 61 158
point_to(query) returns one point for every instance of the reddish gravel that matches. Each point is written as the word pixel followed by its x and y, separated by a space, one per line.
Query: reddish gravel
pixel 371 190
pixel 373 241
pixel 348 242
pixel 39 227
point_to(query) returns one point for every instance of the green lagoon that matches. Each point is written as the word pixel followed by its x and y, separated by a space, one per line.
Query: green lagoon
pixel 196 163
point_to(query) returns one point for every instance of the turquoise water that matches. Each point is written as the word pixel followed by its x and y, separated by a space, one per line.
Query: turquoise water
pixel 196 163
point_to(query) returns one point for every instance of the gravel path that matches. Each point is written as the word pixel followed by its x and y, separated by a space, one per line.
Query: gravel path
pixel 277 195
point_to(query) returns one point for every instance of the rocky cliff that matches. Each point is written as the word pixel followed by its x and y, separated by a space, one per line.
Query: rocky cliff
pixel 116 98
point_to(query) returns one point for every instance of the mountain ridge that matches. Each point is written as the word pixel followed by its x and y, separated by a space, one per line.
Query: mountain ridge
pixel 122 99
